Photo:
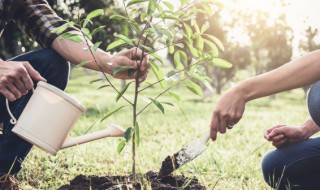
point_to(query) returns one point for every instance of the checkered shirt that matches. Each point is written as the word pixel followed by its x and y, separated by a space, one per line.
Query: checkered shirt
pixel 34 17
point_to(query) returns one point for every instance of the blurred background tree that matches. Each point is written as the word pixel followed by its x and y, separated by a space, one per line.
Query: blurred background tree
pixel 255 41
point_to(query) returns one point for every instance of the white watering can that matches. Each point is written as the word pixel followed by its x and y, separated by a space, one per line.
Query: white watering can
pixel 48 118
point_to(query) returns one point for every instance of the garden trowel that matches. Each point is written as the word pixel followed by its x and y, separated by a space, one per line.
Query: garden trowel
pixel 184 155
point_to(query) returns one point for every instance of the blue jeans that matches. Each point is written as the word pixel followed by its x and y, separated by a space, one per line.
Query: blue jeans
pixel 55 70
pixel 295 165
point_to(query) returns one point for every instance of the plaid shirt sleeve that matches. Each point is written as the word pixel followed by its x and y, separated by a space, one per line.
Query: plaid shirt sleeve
pixel 37 19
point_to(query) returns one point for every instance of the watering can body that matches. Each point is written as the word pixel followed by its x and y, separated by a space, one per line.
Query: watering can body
pixel 49 116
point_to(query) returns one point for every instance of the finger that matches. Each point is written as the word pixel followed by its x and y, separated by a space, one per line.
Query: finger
pixel 27 82
pixel 14 90
pixel 276 131
pixel 20 85
pixel 281 143
pixel 11 97
pixel 274 127
pixel 277 138
pixel 223 126
pixel 143 77
pixel 136 53
pixel 144 65
pixel 33 73
pixel 214 127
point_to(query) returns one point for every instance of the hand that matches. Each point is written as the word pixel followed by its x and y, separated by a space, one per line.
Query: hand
pixel 132 58
pixel 228 112
pixel 282 135
pixel 16 79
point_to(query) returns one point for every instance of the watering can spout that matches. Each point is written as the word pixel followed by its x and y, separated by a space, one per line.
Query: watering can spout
pixel 111 131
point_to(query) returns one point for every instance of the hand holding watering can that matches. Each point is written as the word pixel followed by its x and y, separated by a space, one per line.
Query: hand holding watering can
pixel 48 118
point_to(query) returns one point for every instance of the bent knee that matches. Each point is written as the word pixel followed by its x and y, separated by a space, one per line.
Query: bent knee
pixel 273 167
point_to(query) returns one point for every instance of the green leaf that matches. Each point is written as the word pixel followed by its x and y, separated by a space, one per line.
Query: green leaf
pixel 158 73
pixel 213 47
pixel 122 91
pixel 115 44
pixel 168 103
pixel 188 30
pixel 176 96
pixel 103 86
pixel 143 16
pixel 148 49
pixel 158 104
pixel 128 134
pixel 200 42
pixel 135 2
pixel 151 7
pixel 71 37
pixel 193 50
pixel 60 29
pixel 215 40
pixel 205 27
pixel 177 60
pixel 184 2
pixel 83 63
pixel 169 34
pixel 86 32
pixel 171 48
pixel 169 5
pixel 95 46
pixel 118 17
pixel 135 25
pixel 196 27
pixel 208 85
pixel 170 17
pixel 195 88
pixel 121 145
pixel 100 28
pixel 91 15
pixel 157 31
pixel 66 35
pixel 221 63
pixel 137 134
pixel 94 81
pixel 120 69
pixel 124 38
pixel 156 56
pixel 111 112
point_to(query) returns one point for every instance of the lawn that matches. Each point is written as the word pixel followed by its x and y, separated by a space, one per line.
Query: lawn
pixel 232 162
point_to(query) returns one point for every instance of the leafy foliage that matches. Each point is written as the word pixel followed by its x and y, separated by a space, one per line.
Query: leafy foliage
pixel 156 25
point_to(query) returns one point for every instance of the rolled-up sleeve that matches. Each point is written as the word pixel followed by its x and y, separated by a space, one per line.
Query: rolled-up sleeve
pixel 38 20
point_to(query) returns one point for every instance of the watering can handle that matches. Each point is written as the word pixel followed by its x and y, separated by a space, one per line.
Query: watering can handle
pixel 13 120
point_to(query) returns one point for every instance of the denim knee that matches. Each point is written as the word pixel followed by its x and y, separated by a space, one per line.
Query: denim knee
pixel 58 68
pixel 272 168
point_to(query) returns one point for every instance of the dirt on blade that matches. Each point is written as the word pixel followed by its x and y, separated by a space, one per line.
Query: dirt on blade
pixel 169 165
pixel 152 179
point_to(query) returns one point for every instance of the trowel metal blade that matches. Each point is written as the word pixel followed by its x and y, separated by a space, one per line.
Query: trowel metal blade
pixel 183 156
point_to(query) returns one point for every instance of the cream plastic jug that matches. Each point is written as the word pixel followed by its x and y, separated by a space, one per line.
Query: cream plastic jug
pixel 48 118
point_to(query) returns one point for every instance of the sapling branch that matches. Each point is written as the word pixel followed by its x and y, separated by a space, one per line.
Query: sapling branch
pixel 135 103
pixel 101 69
pixel 184 69
pixel 166 90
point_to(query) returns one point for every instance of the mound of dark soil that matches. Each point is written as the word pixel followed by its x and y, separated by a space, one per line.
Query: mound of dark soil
pixel 152 179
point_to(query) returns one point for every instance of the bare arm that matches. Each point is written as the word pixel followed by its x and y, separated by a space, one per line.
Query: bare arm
pixel 298 73
pixel 75 53
pixel 301 72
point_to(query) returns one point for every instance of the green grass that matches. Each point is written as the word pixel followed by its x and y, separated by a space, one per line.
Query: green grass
pixel 232 162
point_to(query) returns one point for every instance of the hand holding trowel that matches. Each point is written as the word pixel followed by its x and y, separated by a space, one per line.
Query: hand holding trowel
pixel 184 155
